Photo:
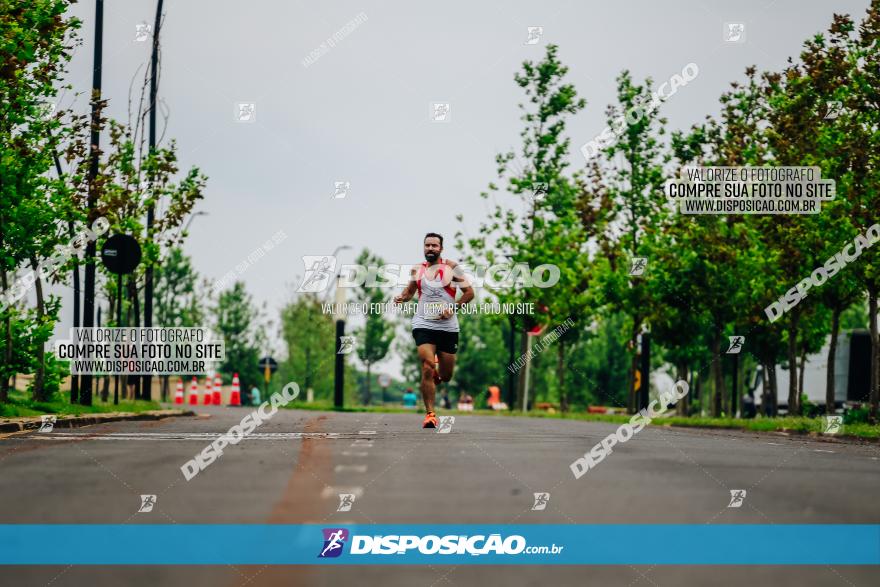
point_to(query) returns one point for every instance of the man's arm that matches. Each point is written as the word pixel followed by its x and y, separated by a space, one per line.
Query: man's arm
pixel 410 289
pixel 459 277
pixel 467 292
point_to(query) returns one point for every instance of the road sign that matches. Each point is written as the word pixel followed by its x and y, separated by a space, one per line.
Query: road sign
pixel 121 254
pixel 269 366
pixel 384 380
pixel 269 362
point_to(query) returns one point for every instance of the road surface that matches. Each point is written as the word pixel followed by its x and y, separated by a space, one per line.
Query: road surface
pixel 292 469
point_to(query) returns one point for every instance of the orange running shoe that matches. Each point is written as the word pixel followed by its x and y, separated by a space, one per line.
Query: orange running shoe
pixel 430 420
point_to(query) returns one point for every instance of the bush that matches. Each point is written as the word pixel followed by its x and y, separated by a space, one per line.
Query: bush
pixel 856 416
pixel 808 408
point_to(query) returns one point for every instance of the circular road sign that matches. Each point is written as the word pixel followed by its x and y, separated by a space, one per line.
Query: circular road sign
pixel 121 253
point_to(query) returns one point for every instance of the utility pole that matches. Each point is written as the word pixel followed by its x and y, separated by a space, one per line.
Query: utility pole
pixel 147 391
pixel 89 293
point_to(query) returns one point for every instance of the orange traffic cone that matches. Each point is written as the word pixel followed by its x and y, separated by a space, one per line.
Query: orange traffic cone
pixel 208 392
pixel 235 398
pixel 218 384
pixel 178 395
pixel 194 393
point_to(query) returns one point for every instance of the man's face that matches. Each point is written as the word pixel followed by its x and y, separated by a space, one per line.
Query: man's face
pixel 432 249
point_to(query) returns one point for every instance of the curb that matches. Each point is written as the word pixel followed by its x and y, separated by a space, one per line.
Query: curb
pixel 34 423
pixel 841 438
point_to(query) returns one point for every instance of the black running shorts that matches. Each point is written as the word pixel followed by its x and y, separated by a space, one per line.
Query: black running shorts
pixel 446 342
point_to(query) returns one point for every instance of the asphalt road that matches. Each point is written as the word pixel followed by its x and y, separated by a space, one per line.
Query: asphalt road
pixel 486 470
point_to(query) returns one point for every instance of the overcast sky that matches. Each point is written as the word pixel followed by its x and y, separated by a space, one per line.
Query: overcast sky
pixel 361 111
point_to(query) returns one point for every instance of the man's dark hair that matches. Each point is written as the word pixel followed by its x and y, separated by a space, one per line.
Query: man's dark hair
pixel 433 234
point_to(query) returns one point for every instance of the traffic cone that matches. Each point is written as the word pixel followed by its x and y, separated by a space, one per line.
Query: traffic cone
pixel 208 392
pixel 178 395
pixel 194 393
pixel 218 384
pixel 235 398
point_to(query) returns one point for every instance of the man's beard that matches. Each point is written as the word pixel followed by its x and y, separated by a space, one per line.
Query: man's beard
pixel 431 257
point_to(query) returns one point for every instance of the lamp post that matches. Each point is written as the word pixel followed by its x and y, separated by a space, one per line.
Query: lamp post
pixel 191 218
pixel 339 373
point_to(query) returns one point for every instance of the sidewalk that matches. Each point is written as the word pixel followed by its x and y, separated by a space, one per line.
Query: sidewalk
pixel 34 422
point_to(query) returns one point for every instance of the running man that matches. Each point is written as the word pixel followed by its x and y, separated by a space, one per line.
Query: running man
pixel 435 325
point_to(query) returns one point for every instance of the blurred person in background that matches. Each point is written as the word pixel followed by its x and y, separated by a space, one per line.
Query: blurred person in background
pixel 410 399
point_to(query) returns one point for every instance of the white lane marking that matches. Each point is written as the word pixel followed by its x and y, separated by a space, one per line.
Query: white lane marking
pixel 820 450
pixel 348 453
pixel 367 432
pixel 352 468
pixel 178 435
pixel 773 443
pixel 333 491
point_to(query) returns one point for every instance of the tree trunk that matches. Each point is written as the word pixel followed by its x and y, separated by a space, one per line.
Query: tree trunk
pixel 74 379
pixel 39 391
pixel 793 398
pixel 830 403
pixel 802 367
pixel 308 377
pixel 718 376
pixel 136 380
pixel 111 317
pixel 765 390
pixel 774 390
pixel 740 387
pixel 682 375
pixel 105 389
pixel 521 381
pixel 7 344
pixel 560 375
pixel 875 352
pixel 734 387
pixel 367 394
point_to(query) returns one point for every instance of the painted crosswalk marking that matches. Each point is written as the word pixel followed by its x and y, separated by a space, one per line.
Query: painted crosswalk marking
pixel 350 469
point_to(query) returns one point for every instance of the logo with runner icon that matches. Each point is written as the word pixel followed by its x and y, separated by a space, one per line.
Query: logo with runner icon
pixel 334 540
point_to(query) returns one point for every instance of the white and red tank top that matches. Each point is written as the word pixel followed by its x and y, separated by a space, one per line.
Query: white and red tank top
pixel 433 295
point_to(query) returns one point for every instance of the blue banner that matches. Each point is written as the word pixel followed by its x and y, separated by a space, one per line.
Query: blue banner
pixel 438 544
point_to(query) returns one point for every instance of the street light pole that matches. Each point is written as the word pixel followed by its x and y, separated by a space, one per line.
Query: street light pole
pixel 339 370
pixel 339 375
pixel 147 389
pixel 88 319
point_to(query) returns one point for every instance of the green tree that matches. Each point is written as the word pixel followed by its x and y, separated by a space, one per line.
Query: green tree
pixel 547 230
pixel 633 175
pixel 375 336
pixel 310 337
pixel 482 356
pixel 238 321
pixel 35 45
pixel 178 303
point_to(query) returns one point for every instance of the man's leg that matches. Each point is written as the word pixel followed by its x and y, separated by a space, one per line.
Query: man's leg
pixel 426 355
pixel 447 365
